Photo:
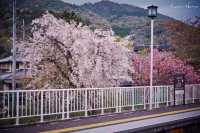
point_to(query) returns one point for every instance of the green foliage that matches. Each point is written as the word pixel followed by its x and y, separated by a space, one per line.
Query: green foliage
pixel 186 41
pixel 121 31
pixel 68 16
pixel 5 28
pixel 118 39
pixel 129 46
pixel 5 46
pixel 143 52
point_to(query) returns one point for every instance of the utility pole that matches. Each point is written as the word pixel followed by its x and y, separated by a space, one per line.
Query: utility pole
pixel 23 36
pixel 14 47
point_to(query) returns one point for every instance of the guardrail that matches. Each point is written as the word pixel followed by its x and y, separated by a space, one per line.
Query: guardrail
pixel 69 103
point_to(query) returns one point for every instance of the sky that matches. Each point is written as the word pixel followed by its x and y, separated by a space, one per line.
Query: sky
pixel 178 9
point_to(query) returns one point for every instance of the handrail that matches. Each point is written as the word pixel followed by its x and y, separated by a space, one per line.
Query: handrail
pixel 72 102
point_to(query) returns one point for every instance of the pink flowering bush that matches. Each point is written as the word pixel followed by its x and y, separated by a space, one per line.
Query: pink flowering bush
pixel 166 65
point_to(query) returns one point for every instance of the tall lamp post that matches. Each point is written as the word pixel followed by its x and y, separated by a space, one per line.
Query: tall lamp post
pixel 152 13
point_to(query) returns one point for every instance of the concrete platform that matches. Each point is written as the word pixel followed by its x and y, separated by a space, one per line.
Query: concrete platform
pixel 118 122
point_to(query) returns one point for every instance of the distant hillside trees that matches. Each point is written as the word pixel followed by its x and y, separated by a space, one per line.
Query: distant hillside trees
pixel 64 55
pixel 26 11
pixel 121 31
pixel 68 16
pixel 186 41
pixel 5 28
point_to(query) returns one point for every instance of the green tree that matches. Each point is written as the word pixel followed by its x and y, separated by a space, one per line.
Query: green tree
pixel 186 41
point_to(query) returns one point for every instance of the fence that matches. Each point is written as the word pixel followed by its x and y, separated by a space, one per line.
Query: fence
pixel 68 103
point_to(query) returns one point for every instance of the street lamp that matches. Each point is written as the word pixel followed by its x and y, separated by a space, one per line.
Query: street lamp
pixel 152 13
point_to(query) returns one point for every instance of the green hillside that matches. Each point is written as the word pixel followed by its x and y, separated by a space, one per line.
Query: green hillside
pixel 124 19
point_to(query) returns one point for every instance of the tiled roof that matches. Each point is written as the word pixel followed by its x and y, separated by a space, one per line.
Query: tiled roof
pixel 20 74
pixel 9 59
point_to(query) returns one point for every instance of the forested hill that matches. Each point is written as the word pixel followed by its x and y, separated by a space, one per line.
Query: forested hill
pixel 112 10
pixel 123 18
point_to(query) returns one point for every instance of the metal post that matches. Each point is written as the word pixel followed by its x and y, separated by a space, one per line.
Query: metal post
pixel 23 36
pixel 41 108
pixel 158 96
pixel 68 104
pixel 193 93
pixel 63 105
pixel 102 101
pixel 117 100
pixel 167 97
pixel 4 102
pixel 198 87
pixel 133 99
pixel 14 48
pixel 86 114
pixel 151 66
pixel 154 96
pixel 144 98
pixel 120 100
pixel 17 107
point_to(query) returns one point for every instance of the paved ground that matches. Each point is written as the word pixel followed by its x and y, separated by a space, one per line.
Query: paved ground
pixel 90 120
pixel 151 123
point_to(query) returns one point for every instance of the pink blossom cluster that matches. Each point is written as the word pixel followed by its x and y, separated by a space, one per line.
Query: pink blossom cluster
pixel 165 66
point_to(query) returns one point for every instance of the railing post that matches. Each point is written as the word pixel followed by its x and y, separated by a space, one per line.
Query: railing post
pixel 167 96
pixel 86 114
pixel 17 111
pixel 133 99
pixel 63 105
pixel 144 98
pixel 156 97
pixel 198 87
pixel 102 101
pixel 159 96
pixel 193 94
pixel 41 108
pixel 4 102
pixel 186 96
pixel 174 97
pixel 120 100
pixel 117 100
pixel 67 104
pixel 153 97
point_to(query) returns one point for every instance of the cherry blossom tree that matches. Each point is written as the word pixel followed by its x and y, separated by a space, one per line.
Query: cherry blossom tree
pixel 64 55
pixel 166 65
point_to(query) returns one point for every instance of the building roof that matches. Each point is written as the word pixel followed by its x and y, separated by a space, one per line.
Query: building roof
pixel 9 59
pixel 20 74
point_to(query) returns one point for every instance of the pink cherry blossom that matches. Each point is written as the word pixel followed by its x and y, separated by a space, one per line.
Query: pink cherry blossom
pixel 166 65
pixel 64 55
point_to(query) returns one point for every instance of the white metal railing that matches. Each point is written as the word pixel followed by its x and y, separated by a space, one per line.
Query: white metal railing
pixel 68 103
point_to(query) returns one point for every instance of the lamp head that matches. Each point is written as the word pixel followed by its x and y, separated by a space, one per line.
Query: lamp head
pixel 152 11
